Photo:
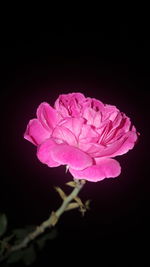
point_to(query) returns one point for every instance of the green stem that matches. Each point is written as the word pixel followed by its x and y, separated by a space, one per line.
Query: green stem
pixel 52 220
pixel 69 198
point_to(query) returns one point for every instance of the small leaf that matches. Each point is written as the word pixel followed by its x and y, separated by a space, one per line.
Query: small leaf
pixel 41 241
pixel 72 205
pixel 71 183
pixel 20 233
pixel 8 238
pixel 3 224
pixel 30 228
pixel 29 255
pixel 2 248
pixel 15 256
pixel 87 204
pixel 79 201
pixel 51 235
pixel 60 192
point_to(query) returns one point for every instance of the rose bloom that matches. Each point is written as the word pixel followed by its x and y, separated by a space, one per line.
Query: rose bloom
pixel 82 133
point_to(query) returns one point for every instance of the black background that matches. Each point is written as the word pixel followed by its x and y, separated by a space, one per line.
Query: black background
pixel 107 62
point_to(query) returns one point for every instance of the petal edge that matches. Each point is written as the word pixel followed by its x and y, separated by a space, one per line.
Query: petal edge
pixel 105 168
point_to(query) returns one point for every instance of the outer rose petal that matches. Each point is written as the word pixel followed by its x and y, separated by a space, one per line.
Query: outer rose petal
pixel 44 153
pixel 72 156
pixel 128 144
pixel 106 168
pixel 35 132
pixel 121 146
pixel 93 149
pixel 47 116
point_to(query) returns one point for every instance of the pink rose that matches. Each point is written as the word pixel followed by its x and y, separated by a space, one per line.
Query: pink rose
pixel 82 133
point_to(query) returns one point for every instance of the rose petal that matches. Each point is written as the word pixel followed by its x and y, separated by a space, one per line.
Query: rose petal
pixel 129 142
pixel 88 134
pixel 44 153
pixel 35 132
pixel 120 146
pixel 93 149
pixel 65 135
pixel 47 116
pixel 72 156
pixel 93 103
pixel 119 127
pixel 74 125
pixel 110 112
pixel 106 168
pixel 69 104
pixel 89 114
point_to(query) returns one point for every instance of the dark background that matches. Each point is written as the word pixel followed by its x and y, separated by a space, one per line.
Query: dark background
pixel 107 62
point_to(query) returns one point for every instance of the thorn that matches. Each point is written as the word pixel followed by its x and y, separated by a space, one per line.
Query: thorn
pixel 67 167
pixel 71 183
pixel 60 192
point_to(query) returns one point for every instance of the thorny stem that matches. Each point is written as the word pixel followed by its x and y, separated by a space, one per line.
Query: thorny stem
pixel 51 221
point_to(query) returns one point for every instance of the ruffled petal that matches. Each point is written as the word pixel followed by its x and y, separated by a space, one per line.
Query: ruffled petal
pixel 89 114
pixel 71 156
pixel 69 104
pixel 118 129
pixel 35 132
pixel 128 143
pixel 120 146
pixel 47 116
pixel 88 134
pixel 74 125
pixel 64 135
pixel 93 149
pixel 105 168
pixel 44 153
pixel 110 112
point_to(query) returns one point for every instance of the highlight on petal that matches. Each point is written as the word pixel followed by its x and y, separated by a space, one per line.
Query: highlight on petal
pixel 64 135
pixel 65 99
pixel 104 168
pixel 35 132
pixel 47 116
pixel 70 105
pixel 72 156
pixel 88 134
pixel 44 153
pixel 129 141
pixel 92 111
pixel 110 112
pixel 74 125
pixel 120 146
pixel 93 149
pixel 93 103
